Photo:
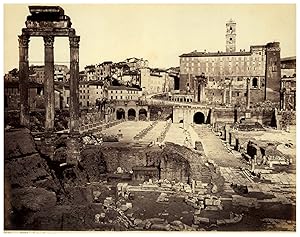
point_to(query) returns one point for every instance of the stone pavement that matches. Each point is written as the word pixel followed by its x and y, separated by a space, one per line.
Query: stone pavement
pixel 215 149
pixel 176 134
pixel 129 129
pixel 155 132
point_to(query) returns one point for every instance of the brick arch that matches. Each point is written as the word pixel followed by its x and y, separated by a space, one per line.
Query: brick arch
pixel 131 113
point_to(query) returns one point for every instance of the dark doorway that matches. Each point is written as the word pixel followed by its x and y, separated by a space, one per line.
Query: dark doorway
pixel 176 83
pixel 120 114
pixel 131 114
pixel 199 118
pixel 254 82
pixel 142 114
pixel 199 92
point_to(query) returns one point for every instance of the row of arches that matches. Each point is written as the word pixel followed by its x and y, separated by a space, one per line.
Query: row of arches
pixel 131 114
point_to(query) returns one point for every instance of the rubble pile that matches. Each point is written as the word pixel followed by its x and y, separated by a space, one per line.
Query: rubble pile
pixel 92 139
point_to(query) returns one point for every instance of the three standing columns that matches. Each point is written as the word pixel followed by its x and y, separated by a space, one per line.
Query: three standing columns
pixel 49 82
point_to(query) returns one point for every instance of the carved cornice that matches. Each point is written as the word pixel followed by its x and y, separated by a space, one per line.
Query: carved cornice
pixel 23 40
pixel 74 41
pixel 48 41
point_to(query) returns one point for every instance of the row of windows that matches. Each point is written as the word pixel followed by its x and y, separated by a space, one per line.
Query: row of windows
pixel 87 86
pixel 121 97
pixel 128 92
pixel 190 69
pixel 221 59
pixel 12 90
pixel 213 64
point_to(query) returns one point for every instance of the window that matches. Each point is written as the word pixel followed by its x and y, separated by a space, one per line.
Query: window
pixel 254 82
pixel 111 97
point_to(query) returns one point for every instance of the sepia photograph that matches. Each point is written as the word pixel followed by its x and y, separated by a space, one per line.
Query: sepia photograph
pixel 149 117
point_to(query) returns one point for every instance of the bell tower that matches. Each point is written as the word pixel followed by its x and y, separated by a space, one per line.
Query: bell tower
pixel 230 36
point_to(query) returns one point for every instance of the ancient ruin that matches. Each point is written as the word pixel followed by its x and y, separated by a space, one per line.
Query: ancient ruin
pixel 207 146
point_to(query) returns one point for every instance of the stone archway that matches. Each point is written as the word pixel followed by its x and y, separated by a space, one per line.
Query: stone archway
pixel 131 114
pixel 199 118
pixel 120 114
pixel 142 114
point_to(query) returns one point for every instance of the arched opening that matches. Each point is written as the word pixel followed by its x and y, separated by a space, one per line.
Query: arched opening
pixel 120 114
pixel 142 114
pixel 199 118
pixel 131 114
pixel 181 121
pixel 242 120
pixel 254 82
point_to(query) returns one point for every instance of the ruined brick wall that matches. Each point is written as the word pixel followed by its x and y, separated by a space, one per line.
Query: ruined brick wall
pixel 224 115
pixel 124 157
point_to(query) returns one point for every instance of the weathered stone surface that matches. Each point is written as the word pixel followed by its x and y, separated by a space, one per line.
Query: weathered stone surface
pixel 78 195
pixel 28 171
pixel 34 199
pixel 18 142
pixel 162 227
pixel 93 163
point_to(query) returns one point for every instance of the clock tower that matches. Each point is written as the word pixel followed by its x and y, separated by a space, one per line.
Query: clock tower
pixel 230 36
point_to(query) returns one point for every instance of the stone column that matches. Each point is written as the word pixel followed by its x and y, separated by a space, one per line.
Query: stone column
pixel 283 100
pixel 248 94
pixel 74 78
pixel 23 79
pixel 212 119
pixel 294 100
pixel 230 93
pixel 49 82
pixel 224 95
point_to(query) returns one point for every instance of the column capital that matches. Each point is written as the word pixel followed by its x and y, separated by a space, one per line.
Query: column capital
pixel 74 41
pixel 48 40
pixel 23 40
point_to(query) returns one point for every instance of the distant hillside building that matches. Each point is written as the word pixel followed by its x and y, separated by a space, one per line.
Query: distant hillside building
pixel 223 77
pixel 90 91
pixel 123 93
pixel 156 81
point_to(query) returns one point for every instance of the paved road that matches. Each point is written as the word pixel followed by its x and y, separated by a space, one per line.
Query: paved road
pixel 129 129
pixel 176 134
pixel 215 149
pixel 155 132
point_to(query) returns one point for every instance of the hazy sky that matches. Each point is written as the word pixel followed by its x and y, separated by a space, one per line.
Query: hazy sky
pixel 158 33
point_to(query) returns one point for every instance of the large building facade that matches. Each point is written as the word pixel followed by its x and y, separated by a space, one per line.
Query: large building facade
pixel 223 77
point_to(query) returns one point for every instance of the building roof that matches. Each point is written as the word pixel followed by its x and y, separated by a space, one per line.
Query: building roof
pixel 15 84
pixel 97 83
pixel 122 88
pixel 214 54
pixel 293 58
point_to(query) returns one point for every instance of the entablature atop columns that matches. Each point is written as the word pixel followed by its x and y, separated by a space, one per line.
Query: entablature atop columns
pixel 40 32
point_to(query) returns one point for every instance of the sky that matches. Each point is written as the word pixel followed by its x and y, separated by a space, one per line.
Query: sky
pixel 158 33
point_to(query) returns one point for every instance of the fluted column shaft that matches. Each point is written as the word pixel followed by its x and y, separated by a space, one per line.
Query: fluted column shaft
pixel 49 82
pixel 24 79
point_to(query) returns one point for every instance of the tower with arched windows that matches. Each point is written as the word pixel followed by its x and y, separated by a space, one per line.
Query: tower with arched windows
pixel 230 36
